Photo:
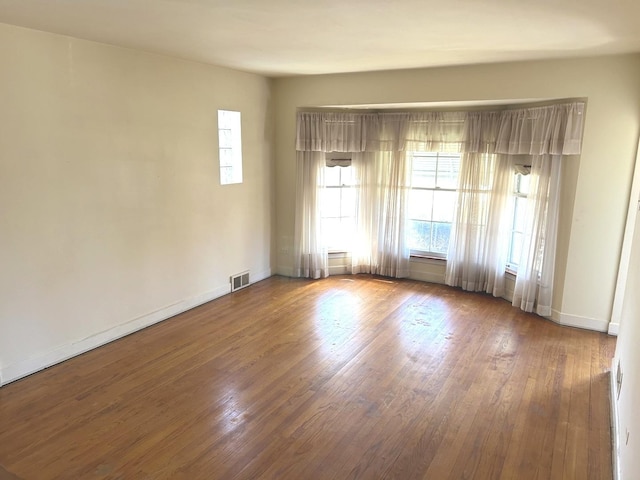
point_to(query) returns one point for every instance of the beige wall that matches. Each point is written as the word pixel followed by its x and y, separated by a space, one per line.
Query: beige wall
pixel 111 212
pixel 112 217
pixel 596 185
pixel 627 355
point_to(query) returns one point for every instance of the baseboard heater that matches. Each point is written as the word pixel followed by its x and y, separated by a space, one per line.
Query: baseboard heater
pixel 240 280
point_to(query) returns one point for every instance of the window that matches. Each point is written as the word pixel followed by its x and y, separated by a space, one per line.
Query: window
pixel 230 147
pixel 518 208
pixel 432 202
pixel 338 208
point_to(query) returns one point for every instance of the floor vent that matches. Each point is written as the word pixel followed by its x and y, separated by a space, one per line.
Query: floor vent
pixel 239 281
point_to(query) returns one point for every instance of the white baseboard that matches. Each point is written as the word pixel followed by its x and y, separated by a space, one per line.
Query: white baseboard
pixel 429 270
pixel 15 371
pixel 339 270
pixel 284 271
pixel 427 277
pixel 579 322
pixel 614 328
pixel 615 439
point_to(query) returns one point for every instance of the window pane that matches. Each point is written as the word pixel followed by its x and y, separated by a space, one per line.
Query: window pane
pixel 348 202
pixel 516 248
pixel 331 202
pixel 226 157
pixel 338 232
pixel 226 175
pixel 419 235
pixel 424 170
pixel 523 183
pixel 448 171
pixel 225 138
pixel 421 204
pixel 444 204
pixel 227 118
pixel 346 175
pixel 230 146
pixel 331 231
pixel 332 176
pixel 519 214
pixel 440 237
pixel 345 233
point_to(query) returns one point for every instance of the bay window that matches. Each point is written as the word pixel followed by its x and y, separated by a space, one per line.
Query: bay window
pixel 405 194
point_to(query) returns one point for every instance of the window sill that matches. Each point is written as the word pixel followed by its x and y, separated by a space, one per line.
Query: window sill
pixel 428 259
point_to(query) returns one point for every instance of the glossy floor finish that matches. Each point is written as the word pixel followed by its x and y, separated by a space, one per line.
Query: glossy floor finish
pixel 342 378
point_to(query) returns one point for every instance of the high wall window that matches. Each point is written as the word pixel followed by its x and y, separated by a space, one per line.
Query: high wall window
pixel 338 208
pixel 432 202
pixel 230 147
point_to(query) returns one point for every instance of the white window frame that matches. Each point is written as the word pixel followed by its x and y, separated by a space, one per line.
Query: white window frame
pixel 436 188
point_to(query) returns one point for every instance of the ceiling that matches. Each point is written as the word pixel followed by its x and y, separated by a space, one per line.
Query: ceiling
pixel 298 37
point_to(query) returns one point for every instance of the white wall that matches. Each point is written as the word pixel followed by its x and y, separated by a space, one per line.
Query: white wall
pixel 111 212
pixel 627 351
pixel 596 185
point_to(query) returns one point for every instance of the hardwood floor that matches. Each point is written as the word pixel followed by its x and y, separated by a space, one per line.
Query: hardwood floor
pixel 343 378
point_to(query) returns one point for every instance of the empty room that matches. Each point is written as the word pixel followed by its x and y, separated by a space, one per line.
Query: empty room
pixel 324 240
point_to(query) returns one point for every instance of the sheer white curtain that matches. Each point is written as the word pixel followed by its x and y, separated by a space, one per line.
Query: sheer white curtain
pixel 534 282
pixel 380 245
pixel 545 133
pixel 490 141
pixel 478 245
pixel 310 255
pixel 379 146
pixel 478 250
pixel 479 242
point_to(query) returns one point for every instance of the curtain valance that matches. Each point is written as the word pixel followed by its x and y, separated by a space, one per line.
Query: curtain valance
pixel 554 129
pixel 379 132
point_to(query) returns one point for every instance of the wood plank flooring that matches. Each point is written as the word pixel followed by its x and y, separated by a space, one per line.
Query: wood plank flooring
pixel 352 377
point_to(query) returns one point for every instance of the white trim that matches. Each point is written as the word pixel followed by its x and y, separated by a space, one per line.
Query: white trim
pixel 20 369
pixel 579 322
pixel 284 271
pixel 625 253
pixel 427 269
pixel 430 277
pixel 509 286
pixel 338 270
pixel 615 424
pixel 614 328
pixel 418 259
